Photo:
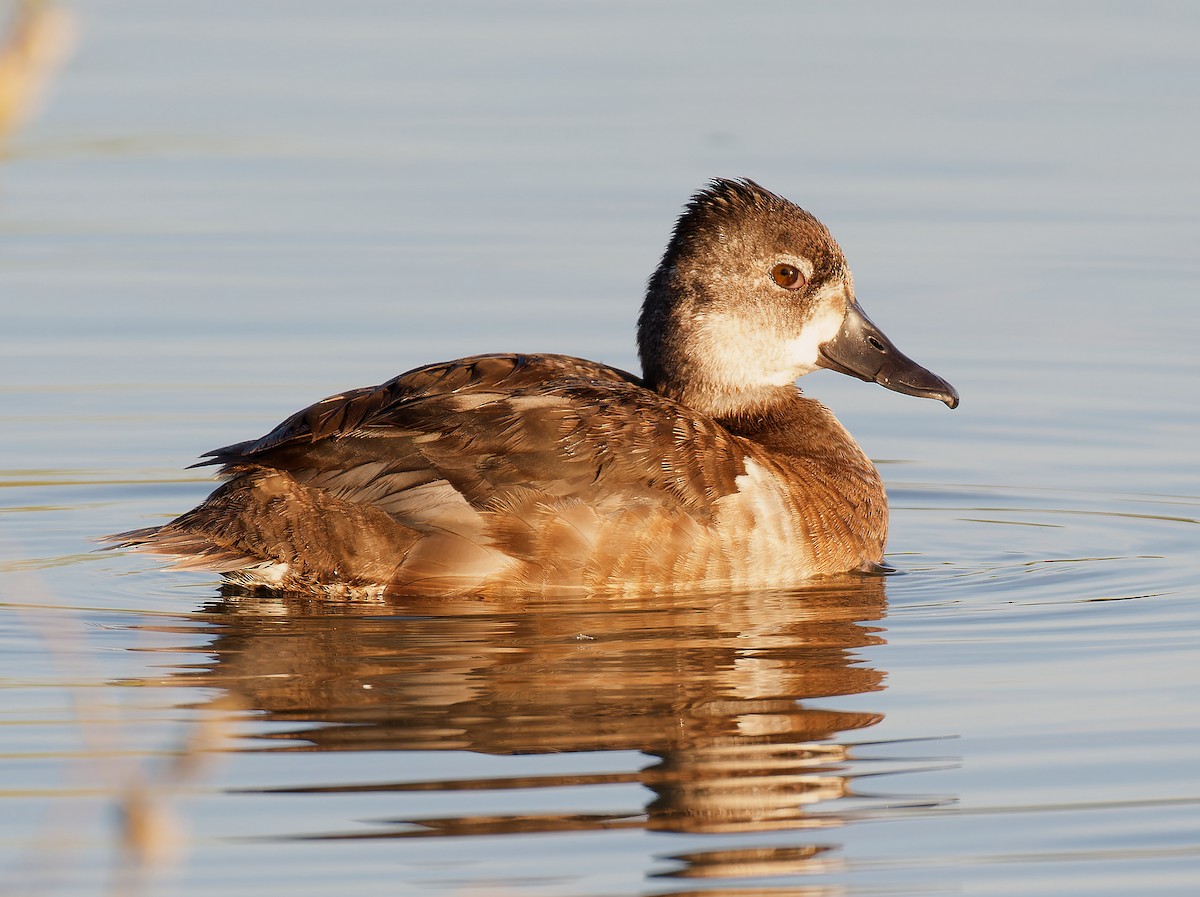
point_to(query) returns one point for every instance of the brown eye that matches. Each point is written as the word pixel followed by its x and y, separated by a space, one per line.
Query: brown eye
pixel 787 276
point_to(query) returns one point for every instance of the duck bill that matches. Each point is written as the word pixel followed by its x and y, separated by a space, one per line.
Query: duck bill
pixel 861 350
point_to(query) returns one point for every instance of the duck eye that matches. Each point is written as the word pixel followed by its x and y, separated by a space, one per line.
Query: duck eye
pixel 787 276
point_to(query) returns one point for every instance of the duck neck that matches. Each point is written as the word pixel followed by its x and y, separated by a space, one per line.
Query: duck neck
pixel 803 428
pixel 717 361
pixel 718 401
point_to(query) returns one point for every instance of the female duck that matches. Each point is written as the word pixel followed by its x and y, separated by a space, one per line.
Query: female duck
pixel 545 473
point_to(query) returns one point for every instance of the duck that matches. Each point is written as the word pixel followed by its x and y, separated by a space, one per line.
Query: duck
pixel 540 474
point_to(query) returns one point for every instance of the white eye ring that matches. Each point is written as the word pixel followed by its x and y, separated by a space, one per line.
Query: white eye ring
pixel 788 276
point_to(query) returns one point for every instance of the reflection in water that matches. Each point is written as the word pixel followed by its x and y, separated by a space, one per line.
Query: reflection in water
pixel 716 688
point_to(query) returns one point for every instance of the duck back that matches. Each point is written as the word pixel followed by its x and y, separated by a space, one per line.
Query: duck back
pixel 532 474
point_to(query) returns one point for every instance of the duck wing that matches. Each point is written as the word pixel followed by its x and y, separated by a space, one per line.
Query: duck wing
pixel 516 466
pixel 380 406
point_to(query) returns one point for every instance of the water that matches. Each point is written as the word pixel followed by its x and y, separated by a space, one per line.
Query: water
pixel 228 211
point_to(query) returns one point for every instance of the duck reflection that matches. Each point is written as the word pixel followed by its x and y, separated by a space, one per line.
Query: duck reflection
pixel 716 688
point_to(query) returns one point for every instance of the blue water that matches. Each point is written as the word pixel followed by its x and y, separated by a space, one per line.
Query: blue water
pixel 227 211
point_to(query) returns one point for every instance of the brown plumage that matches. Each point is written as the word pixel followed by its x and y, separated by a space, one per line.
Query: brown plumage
pixel 545 473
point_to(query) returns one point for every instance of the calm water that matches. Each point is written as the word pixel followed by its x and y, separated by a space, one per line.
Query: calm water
pixel 230 210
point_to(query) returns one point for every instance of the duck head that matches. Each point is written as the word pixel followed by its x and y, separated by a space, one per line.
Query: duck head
pixel 751 294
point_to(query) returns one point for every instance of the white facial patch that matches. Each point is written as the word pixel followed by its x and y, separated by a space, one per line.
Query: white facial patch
pixel 804 350
pixel 741 351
